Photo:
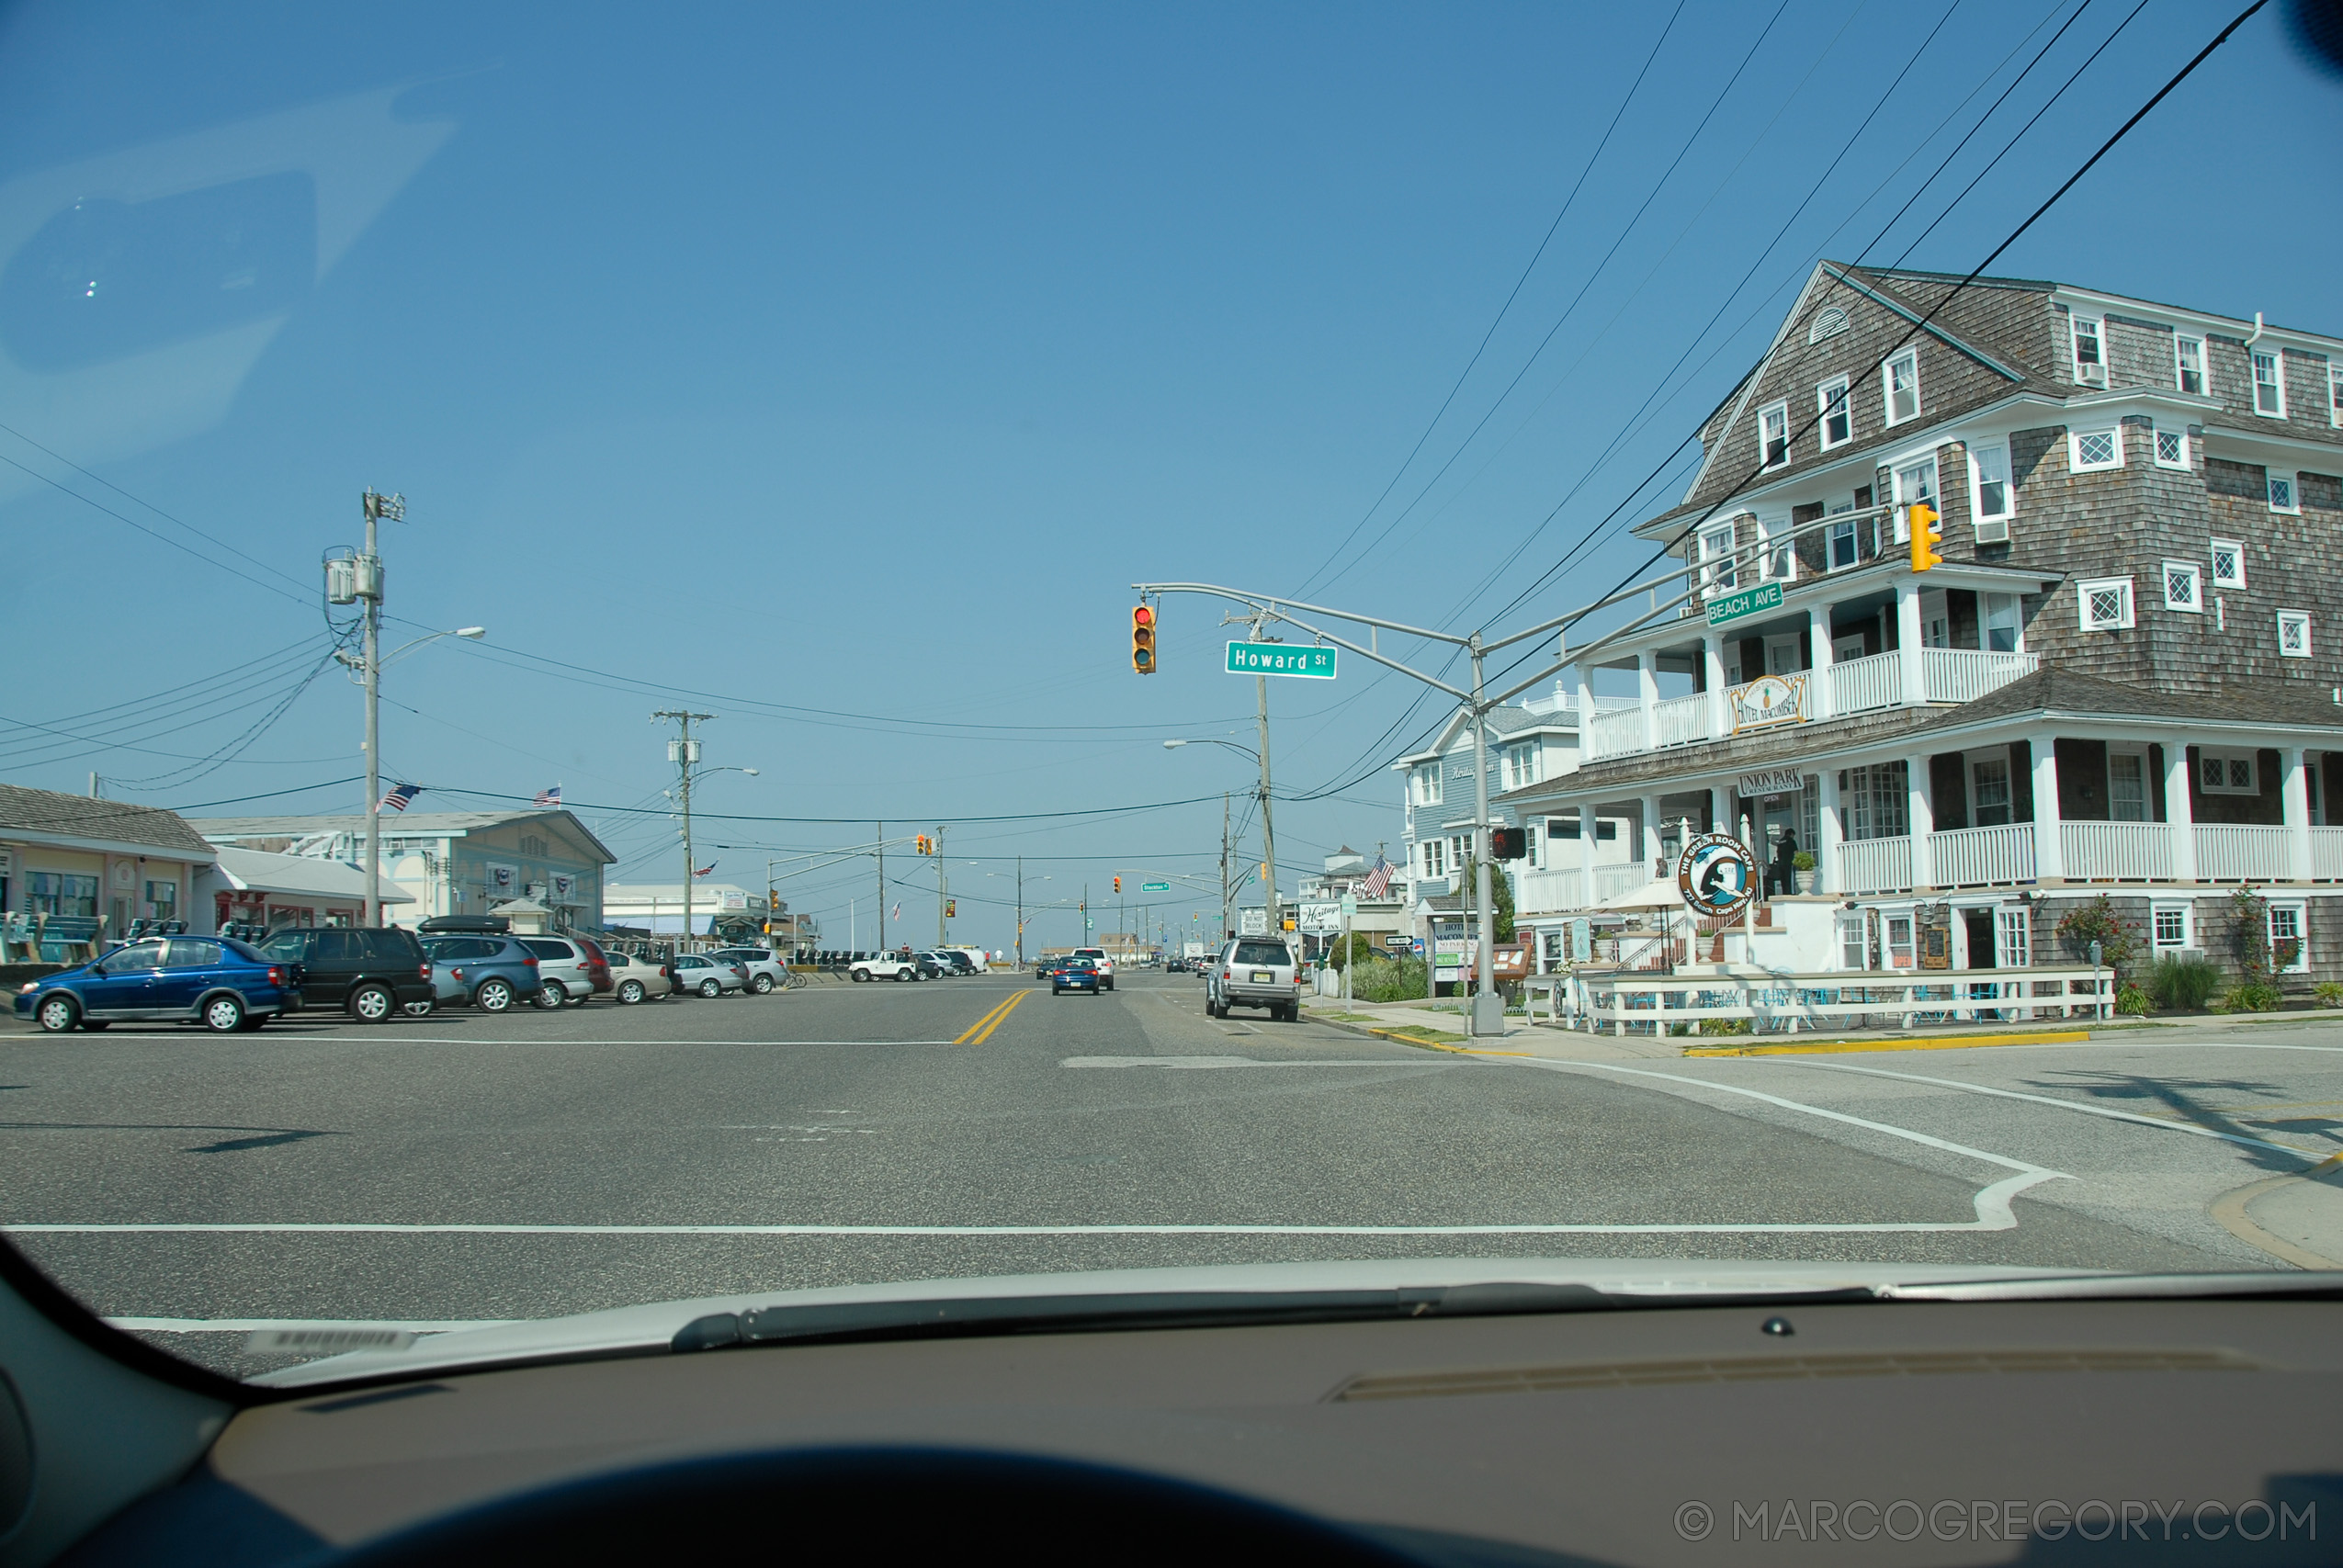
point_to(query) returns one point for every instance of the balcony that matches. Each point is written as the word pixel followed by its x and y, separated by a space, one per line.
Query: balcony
pixel 2091 852
pixel 1556 891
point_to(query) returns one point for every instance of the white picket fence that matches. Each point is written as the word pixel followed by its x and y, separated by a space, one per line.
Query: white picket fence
pixel 1658 1004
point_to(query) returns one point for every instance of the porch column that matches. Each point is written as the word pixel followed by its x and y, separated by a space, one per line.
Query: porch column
pixel 1713 661
pixel 1818 664
pixel 1922 811
pixel 1650 807
pixel 1719 822
pixel 2050 862
pixel 2294 794
pixel 1585 707
pixel 2179 818
pixel 1908 639
pixel 1829 830
pixel 1647 692
pixel 1586 856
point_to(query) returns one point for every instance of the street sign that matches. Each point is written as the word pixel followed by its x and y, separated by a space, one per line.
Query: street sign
pixel 1748 602
pixel 1252 923
pixel 1350 906
pixel 1283 658
pixel 1155 887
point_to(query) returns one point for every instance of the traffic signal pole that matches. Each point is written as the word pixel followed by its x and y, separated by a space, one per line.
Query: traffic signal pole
pixel 939 886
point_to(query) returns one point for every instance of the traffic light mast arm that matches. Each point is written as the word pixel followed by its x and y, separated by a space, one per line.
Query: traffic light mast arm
pixel 1267 607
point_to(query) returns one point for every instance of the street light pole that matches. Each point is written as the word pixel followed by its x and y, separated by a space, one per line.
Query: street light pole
pixel 1268 833
pixel 1488 1008
pixel 369 586
pixel 684 753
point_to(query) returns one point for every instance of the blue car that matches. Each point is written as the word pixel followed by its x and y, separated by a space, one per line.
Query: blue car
pixel 1073 974
pixel 490 972
pixel 216 981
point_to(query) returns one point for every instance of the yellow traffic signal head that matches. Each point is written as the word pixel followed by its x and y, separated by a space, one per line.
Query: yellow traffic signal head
pixel 1927 532
pixel 1143 640
pixel 1118 885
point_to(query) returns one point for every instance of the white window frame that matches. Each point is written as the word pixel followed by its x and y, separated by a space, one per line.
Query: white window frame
pixel 2285 492
pixel 2157 435
pixel 2185 576
pixel 1988 606
pixel 2075 439
pixel 2147 783
pixel 2088 587
pixel 2224 761
pixel 1847 531
pixel 1909 360
pixel 2093 330
pixel 1839 393
pixel 2186 911
pixel 2276 358
pixel 1981 766
pixel 1766 417
pixel 2334 394
pixel 1428 785
pixel 2236 550
pixel 1925 483
pixel 1520 764
pixel 1777 551
pixel 2293 634
pixel 2181 369
pixel 1717 564
pixel 1992 526
pixel 2301 939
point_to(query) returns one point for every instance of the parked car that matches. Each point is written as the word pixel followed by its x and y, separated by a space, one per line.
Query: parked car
pixel 490 972
pixel 961 964
pixel 884 966
pixel 1253 972
pixel 702 972
pixel 933 966
pixel 766 971
pixel 371 971
pixel 219 982
pixel 978 963
pixel 1076 973
pixel 634 979
pixel 1104 966
pixel 572 968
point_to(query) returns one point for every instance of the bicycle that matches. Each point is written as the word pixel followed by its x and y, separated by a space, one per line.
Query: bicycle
pixel 795 981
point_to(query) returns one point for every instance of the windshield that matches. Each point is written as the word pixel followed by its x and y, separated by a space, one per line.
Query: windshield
pixel 1701 682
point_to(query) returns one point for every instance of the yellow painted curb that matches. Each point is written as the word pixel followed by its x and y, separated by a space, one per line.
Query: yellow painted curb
pixel 1918 1043
pixel 2230 1209
pixel 1405 1039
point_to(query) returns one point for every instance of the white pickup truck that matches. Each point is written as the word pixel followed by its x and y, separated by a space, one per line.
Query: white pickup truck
pixel 886 966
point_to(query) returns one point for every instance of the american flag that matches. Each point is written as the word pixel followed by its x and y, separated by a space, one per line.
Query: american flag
pixel 1378 881
pixel 395 798
pixel 703 870
pixel 549 796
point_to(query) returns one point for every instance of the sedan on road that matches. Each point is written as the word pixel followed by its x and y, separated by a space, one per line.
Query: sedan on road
pixel 634 979
pixel 218 982
pixel 1073 974
pixel 705 974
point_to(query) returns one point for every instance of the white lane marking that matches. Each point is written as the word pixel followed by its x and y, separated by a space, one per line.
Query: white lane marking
pixel 2314 1156
pixel 1187 1062
pixel 1992 1202
pixel 298 1325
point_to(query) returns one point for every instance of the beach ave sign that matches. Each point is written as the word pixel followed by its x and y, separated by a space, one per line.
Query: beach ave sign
pixel 1748 602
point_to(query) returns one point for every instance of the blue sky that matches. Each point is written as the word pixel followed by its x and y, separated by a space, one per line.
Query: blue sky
pixel 858 360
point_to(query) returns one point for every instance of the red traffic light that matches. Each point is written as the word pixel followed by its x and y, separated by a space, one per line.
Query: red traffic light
pixel 1143 640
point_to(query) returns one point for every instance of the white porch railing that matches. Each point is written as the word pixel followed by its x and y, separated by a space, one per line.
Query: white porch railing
pixel 1873 866
pixel 1612 732
pixel 1771 1004
pixel 1862 683
pixel 2327 854
pixel 1610 881
pixel 1556 891
pixel 2234 852
pixel 1964 674
pixel 2116 852
pixel 1980 857
pixel 1677 721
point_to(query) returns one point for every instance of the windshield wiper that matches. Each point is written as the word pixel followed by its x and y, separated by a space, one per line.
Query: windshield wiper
pixel 968 1317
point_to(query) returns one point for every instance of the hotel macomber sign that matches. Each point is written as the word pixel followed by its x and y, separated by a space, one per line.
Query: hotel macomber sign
pixel 1767 700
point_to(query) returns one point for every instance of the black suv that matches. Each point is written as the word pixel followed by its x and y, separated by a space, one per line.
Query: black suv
pixel 371 971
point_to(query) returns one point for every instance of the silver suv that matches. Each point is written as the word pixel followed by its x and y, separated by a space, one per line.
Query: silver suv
pixel 766 971
pixel 568 969
pixel 1253 972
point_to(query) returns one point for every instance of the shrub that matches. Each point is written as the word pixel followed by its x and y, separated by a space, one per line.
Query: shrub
pixel 1389 980
pixel 2098 921
pixel 2183 980
pixel 2134 1000
pixel 1803 860
pixel 1725 1026
pixel 2251 996
pixel 1358 946
pixel 2329 993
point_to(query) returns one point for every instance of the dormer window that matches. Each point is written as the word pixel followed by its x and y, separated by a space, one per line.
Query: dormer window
pixel 2269 387
pixel 1839 420
pixel 2090 356
pixel 2188 354
pixel 1774 434
pixel 1900 381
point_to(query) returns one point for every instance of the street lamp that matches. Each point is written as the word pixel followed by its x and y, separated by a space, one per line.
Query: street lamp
pixel 1020 906
pixel 1268 833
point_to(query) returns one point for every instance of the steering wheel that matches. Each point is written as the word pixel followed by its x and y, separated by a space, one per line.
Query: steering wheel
pixel 873 1505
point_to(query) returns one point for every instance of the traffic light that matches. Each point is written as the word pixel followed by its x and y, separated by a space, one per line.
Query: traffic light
pixel 1508 843
pixel 1927 532
pixel 1118 885
pixel 1143 640
pixel 951 909
pixel 923 844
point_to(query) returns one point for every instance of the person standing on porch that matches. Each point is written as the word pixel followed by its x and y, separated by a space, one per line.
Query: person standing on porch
pixel 1782 876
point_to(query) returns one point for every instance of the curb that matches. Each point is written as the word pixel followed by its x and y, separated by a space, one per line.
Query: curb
pixel 1399 1037
pixel 1914 1043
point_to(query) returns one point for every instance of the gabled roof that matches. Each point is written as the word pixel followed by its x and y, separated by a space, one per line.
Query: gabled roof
pixel 50 814
pixel 306 876
pixel 401 824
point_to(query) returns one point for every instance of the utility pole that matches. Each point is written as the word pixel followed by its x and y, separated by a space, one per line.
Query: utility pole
pixel 1224 865
pixel 1268 834
pixel 940 890
pixel 369 590
pixel 882 884
pixel 684 753
pixel 1488 1008
pixel 1021 911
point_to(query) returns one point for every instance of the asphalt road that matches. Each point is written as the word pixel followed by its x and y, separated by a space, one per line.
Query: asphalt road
pixel 463 1169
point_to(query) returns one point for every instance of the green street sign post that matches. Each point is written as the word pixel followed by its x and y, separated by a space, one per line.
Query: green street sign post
pixel 1748 602
pixel 1155 887
pixel 1286 658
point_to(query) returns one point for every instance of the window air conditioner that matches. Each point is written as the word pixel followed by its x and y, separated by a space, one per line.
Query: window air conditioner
pixel 1993 531
pixel 2092 375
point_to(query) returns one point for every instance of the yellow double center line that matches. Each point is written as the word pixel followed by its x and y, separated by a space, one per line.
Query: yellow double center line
pixel 981 1030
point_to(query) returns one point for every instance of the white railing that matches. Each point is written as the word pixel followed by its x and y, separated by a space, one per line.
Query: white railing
pixel 1982 857
pixel 1773 1004
pixel 1964 674
pixel 2327 854
pixel 1612 732
pixel 1861 683
pixel 1873 866
pixel 1610 881
pixel 2234 852
pixel 2116 852
pixel 1677 721
pixel 1539 892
